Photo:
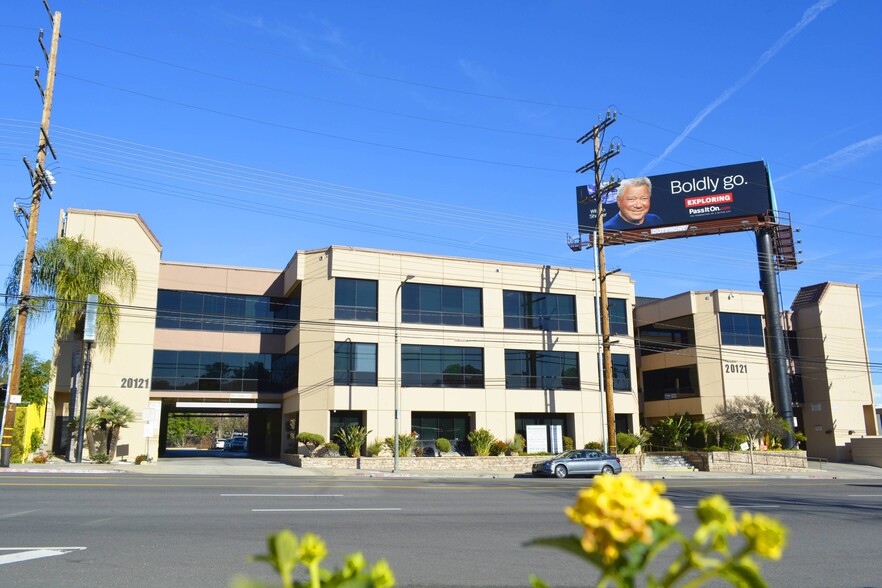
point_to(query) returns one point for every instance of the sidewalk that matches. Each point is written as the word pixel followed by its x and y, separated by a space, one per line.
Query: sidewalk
pixel 241 466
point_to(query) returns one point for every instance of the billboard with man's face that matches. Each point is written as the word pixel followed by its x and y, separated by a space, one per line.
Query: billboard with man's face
pixel 679 204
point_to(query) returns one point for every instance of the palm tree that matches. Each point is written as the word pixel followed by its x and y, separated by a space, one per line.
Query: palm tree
pixel 65 271
pixel 110 416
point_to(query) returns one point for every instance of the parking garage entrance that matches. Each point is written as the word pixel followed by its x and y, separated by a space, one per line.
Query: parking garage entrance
pixel 221 429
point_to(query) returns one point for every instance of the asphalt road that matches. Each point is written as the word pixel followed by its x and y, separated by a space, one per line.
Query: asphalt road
pixel 139 530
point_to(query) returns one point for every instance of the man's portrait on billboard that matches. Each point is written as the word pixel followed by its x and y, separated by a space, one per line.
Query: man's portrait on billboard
pixel 634 199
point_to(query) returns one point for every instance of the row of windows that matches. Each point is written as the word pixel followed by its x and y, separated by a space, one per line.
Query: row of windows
pixel 435 366
pixel 459 306
pixel 203 311
pixel 226 372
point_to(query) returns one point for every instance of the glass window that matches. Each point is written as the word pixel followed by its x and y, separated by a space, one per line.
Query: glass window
pixel 436 305
pixel 670 335
pixel 434 366
pixel 741 329
pixel 618 316
pixel 535 310
pixel 355 300
pixel 541 370
pixel 226 312
pixel 215 371
pixel 670 383
pixel 621 368
pixel 355 364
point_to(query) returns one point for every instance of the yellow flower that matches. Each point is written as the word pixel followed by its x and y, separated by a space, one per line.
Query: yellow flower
pixel 764 534
pixel 716 509
pixel 312 549
pixel 382 575
pixel 617 511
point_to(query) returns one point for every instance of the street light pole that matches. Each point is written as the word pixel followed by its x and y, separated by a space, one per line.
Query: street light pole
pixel 397 360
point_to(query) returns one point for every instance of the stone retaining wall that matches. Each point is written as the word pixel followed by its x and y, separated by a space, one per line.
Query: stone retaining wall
pixel 711 461
pixel 763 461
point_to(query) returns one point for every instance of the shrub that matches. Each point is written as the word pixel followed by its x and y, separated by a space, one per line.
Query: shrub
pixel 375 448
pixel 41 458
pixel 481 440
pixel 594 445
pixel 517 443
pixel 569 445
pixel 442 444
pixel 312 441
pixel 498 448
pixel 626 442
pixel 36 440
pixel 100 458
pixel 18 452
pixel 407 442
pixel 332 448
pixel 352 437
pixel 141 459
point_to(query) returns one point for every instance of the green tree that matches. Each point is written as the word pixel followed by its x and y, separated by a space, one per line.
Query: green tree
pixel 65 271
pixel 110 416
pixel 35 377
pixel 751 416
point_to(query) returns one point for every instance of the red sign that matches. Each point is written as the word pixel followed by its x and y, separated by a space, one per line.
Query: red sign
pixel 710 199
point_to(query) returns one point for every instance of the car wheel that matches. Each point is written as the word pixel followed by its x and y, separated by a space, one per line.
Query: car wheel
pixel 560 471
pixel 606 470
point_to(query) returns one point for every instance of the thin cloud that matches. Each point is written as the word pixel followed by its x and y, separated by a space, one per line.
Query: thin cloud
pixel 807 17
pixel 840 159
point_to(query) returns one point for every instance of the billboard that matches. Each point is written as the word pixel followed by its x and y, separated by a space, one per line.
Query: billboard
pixel 679 204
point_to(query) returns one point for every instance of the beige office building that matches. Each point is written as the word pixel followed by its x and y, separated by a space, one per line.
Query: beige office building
pixel 312 347
pixel 699 349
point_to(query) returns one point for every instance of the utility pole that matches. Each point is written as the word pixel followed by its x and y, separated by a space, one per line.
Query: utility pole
pixel 40 180
pixel 598 164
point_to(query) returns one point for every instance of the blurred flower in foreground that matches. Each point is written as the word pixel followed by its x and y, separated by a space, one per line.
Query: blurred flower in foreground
pixel 628 524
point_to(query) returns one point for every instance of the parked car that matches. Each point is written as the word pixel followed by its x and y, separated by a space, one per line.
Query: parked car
pixel 586 462
pixel 221 444
pixel 237 444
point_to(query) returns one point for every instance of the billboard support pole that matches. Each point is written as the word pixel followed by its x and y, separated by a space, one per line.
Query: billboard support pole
pixel 775 332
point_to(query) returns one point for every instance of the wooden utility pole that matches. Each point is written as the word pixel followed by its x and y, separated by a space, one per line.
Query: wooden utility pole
pixel 39 180
pixel 596 134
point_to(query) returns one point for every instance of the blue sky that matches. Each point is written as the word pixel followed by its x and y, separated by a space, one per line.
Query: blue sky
pixel 242 132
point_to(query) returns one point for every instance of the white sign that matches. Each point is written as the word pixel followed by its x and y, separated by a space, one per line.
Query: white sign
pixel 537 439
pixel 148 430
pixel 556 439
pixel 148 414
pixel 15 399
pixel 745 446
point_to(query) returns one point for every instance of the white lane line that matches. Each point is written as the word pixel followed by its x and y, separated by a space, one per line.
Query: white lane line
pixel 17 514
pixel 865 495
pixel 27 553
pixel 317 509
pixel 736 506
pixel 287 495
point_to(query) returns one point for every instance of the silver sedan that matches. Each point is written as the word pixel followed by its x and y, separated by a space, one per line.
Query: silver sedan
pixel 585 462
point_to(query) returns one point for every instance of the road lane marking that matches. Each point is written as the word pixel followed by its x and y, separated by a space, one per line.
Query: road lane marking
pixel 317 509
pixel 27 553
pixel 865 495
pixel 286 495
pixel 17 514
pixel 741 506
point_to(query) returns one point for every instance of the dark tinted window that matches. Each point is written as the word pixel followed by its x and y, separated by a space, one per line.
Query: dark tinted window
pixel 541 370
pixel 535 310
pixel 216 371
pixel 441 305
pixel 618 316
pixel 355 300
pixel 204 311
pixel 434 366
pixel 741 329
pixel 621 367
pixel 670 383
pixel 355 363
pixel 670 335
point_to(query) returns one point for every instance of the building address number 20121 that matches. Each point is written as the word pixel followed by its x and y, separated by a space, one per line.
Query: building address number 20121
pixel 134 383
pixel 736 368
